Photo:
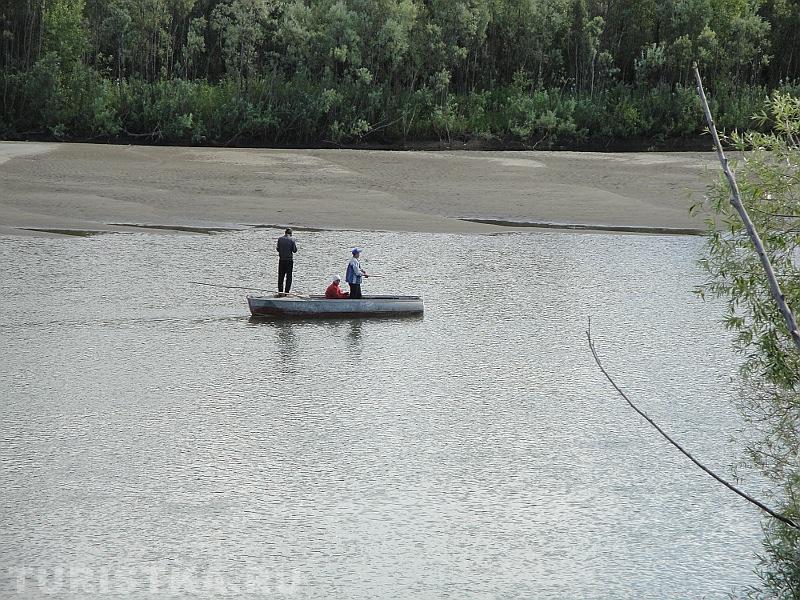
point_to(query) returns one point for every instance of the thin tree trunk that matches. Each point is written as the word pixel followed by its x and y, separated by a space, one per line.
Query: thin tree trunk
pixel 736 202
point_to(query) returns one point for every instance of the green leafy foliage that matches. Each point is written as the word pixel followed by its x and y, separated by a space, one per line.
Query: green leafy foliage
pixel 768 175
pixel 536 72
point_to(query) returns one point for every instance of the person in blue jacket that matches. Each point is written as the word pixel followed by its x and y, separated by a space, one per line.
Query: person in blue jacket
pixel 354 274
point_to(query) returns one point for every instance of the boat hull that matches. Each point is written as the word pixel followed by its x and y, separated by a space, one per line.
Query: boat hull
pixel 319 306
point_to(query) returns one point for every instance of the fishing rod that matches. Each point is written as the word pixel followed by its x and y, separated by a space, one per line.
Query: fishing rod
pixel 232 287
pixel 239 287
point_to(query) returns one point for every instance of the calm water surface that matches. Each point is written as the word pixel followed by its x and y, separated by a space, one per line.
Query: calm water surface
pixel 157 443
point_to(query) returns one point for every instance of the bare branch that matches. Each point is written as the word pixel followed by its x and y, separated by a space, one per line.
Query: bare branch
pixel 777 215
pixel 728 485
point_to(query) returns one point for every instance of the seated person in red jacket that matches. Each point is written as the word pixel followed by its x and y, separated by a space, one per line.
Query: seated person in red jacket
pixel 333 290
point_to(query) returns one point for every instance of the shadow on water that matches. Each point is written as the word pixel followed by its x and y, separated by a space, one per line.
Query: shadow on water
pixel 354 335
pixel 290 332
pixel 287 342
pixel 332 321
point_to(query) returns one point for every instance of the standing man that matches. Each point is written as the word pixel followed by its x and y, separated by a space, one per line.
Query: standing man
pixel 286 249
pixel 354 274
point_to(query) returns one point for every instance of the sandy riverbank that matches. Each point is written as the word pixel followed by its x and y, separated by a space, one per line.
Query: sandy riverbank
pixel 111 188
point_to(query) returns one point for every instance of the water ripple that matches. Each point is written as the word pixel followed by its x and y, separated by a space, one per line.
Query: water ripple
pixel 155 436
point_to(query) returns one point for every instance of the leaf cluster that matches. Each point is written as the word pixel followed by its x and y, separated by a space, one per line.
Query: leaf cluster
pixel 767 170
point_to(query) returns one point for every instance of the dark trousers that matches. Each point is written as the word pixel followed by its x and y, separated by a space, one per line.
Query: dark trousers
pixel 285 270
pixel 355 290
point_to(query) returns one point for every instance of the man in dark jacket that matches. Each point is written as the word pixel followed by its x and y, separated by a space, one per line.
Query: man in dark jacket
pixel 286 249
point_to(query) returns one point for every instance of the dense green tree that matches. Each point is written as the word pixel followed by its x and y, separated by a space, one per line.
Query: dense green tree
pixel 62 30
pixel 784 18
pixel 242 27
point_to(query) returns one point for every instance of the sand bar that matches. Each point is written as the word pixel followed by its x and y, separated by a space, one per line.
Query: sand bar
pixel 92 187
pixel 9 150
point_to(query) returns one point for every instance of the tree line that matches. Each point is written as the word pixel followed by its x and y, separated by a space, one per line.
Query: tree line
pixel 534 72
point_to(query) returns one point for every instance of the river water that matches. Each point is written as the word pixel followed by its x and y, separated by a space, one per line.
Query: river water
pixel 158 443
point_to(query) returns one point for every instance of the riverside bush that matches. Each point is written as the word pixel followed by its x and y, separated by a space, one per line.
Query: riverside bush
pixel 77 102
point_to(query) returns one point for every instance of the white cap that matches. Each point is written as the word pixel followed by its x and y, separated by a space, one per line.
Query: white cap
pixel 336 278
